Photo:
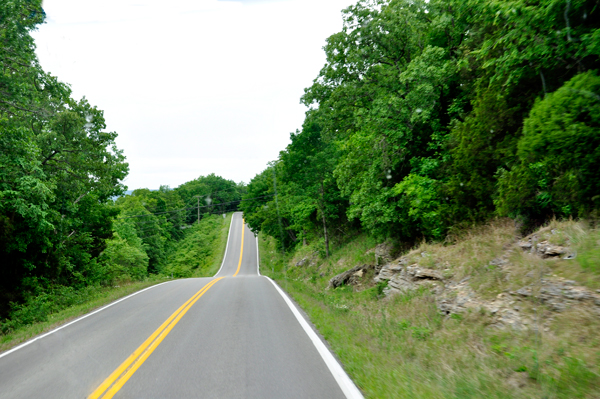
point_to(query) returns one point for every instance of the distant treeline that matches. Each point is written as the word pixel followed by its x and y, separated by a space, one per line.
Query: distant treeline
pixel 432 115
pixel 62 232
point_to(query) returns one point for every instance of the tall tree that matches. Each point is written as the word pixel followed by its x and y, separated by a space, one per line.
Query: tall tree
pixel 382 94
pixel 58 169
pixel 308 164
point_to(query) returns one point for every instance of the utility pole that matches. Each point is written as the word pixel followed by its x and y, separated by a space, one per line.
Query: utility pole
pixel 277 207
pixel 198 198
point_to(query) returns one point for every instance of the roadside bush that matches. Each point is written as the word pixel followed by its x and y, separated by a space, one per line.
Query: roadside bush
pixel 124 259
pixel 39 306
pixel 196 250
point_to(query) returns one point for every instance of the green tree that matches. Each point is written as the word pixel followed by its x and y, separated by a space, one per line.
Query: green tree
pixel 212 193
pixel 315 201
pixel 263 211
pixel 559 155
pixel 513 52
pixel 383 95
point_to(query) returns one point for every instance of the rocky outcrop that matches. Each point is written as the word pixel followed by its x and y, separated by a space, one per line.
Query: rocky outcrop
pixel 403 275
pixel 421 273
pixel 457 298
pixel 542 247
pixel 390 270
pixel 402 278
pixel 302 262
pixel 559 294
pixel 349 277
pixel 503 310
pixel 383 253
pixel 556 294
pixel 452 297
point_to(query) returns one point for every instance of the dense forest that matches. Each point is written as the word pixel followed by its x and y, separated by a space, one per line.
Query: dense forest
pixel 429 116
pixel 65 226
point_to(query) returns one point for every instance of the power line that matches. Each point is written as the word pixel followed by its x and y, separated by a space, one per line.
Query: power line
pixel 195 207
pixel 151 214
pixel 209 194
pixel 159 234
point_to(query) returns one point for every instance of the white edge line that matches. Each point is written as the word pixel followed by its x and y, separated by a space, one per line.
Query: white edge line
pixel 343 380
pixel 78 319
pixel 257 257
pixel 226 245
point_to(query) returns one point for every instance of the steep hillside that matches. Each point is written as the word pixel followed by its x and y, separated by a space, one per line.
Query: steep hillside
pixel 486 314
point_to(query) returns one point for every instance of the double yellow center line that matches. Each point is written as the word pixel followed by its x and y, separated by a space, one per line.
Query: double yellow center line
pixel 121 375
pixel 241 250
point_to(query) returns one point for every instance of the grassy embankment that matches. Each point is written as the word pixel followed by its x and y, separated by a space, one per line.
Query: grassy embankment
pixel 403 347
pixel 199 254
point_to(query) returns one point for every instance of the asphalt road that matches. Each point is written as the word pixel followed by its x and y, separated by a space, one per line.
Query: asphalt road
pixel 230 336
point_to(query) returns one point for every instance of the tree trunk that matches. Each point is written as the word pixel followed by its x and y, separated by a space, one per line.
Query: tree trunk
pixel 326 236
pixel 292 235
pixel 324 221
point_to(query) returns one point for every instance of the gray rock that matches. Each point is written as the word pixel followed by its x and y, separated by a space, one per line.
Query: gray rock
pixel 525 291
pixel 383 254
pixel 557 306
pixel 543 248
pixel 525 245
pixel 497 262
pixel 302 262
pixel 388 271
pixel 402 278
pixel 546 249
pixel 400 283
pixel 422 273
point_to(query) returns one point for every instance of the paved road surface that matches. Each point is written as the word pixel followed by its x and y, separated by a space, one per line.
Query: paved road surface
pixel 230 336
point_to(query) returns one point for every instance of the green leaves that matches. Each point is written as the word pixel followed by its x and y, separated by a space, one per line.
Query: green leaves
pixel 422 201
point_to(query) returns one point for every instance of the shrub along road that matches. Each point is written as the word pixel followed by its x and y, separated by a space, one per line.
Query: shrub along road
pixel 232 335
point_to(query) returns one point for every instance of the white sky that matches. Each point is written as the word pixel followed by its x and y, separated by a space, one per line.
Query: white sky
pixel 192 87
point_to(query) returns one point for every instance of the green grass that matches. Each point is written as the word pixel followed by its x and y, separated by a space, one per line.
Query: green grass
pixel 217 249
pixel 272 262
pixel 402 347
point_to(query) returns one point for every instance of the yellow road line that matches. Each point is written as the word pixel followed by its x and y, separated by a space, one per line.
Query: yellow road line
pixel 241 250
pixel 117 379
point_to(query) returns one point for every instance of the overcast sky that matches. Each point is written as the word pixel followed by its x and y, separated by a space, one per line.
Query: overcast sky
pixel 192 87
